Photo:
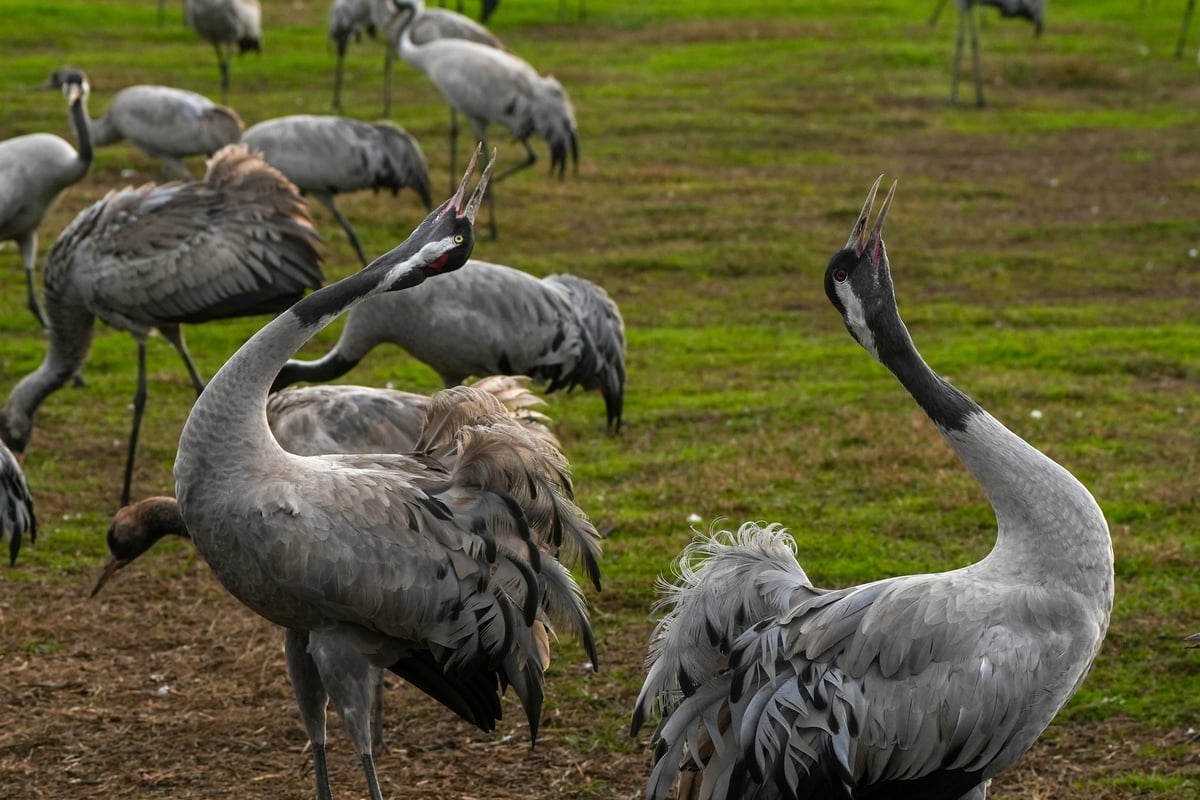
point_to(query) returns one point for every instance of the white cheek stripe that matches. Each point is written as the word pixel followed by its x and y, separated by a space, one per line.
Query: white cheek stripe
pixel 856 318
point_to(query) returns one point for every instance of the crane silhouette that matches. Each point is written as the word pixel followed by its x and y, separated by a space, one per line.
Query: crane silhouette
pixel 17 516
pixel 236 244
pixel 226 24
pixel 488 319
pixel 326 155
pixel 34 170
pixel 487 85
pixel 1032 10
pixel 914 686
pixel 441 565
pixel 168 124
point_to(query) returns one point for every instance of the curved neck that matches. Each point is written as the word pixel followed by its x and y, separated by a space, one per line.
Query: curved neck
pixel 70 341
pixel 83 131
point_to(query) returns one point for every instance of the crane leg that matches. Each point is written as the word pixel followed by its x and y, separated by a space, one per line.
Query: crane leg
pixel 937 12
pixel 311 698
pixel 174 169
pixel 975 58
pixel 389 61
pixel 28 246
pixel 453 150
pixel 337 76
pixel 139 406
pixel 223 66
pixel 958 49
pixel 327 201
pixel 530 160
pixel 174 335
pixel 350 681
pixel 1183 28
pixel 377 713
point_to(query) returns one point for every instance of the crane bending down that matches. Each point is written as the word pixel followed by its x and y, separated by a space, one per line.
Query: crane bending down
pixel 1032 10
pixel 920 686
pixel 16 505
pixel 236 244
pixel 168 124
pixel 34 170
pixel 440 565
pixel 488 85
pixel 226 24
pixel 490 319
pixel 326 155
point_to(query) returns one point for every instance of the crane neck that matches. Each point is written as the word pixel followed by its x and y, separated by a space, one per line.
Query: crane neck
pixel 83 130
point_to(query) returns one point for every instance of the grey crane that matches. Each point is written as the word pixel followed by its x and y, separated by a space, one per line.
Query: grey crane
pixel 440 565
pixel 487 86
pixel 226 24
pixel 168 124
pixel 236 244
pixel 17 516
pixel 486 8
pixel 34 170
pixel 487 319
pixel 1032 10
pixel 349 19
pixel 327 155
pixel 919 686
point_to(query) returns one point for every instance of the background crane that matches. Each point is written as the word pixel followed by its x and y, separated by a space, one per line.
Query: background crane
pixel 440 566
pixel 914 686
pixel 489 319
pixel 34 170
pixel 1032 10
pixel 17 516
pixel 236 244
pixel 226 24
pixel 488 85
pixel 325 155
pixel 168 124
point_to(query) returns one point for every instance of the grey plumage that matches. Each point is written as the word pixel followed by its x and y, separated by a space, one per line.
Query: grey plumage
pixel 1032 10
pixel 488 319
pixel 440 565
pixel 238 243
pixel 34 170
pixel 17 516
pixel 168 124
pixel 325 155
pixel 919 686
pixel 226 24
pixel 489 86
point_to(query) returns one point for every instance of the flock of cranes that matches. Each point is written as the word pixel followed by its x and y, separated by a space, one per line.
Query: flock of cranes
pixel 435 536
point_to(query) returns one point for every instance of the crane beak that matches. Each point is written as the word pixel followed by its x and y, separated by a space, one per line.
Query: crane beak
pixel 480 190
pixel 110 569
pixel 463 205
pixel 859 240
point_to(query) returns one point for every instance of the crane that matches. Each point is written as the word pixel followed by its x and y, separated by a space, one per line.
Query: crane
pixel 487 319
pixel 236 244
pixel 168 124
pixel 1032 10
pixel 327 155
pixel 488 85
pixel 17 516
pixel 913 686
pixel 34 170
pixel 226 24
pixel 440 565
pixel 1183 28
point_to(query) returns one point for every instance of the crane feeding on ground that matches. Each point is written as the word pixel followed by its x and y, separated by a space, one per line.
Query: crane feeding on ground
pixel 226 24
pixel 919 686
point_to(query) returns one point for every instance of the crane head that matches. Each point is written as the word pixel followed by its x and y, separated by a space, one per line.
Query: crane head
pixel 70 80
pixel 858 280
pixel 135 528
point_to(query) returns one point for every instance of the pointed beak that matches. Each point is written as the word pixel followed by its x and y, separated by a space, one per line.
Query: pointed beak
pixel 480 190
pixel 463 205
pixel 859 239
pixel 110 569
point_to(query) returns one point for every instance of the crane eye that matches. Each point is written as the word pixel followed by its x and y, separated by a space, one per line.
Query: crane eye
pixel 458 238
pixel 840 275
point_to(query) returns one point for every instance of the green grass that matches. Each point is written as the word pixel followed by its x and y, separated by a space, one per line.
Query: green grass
pixel 1041 249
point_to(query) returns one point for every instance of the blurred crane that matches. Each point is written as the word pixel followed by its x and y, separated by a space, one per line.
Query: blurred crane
pixel 919 686
pixel 488 85
pixel 1183 28
pixel 168 124
pixel 1032 10
pixel 325 156
pixel 16 505
pixel 440 565
pixel 226 24
pixel 490 319
pixel 236 244
pixel 35 168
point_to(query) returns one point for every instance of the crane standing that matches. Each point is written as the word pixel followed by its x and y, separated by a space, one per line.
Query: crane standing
pixel 489 319
pixel 325 155
pixel 236 244
pixel 34 170
pixel 441 566
pixel 487 86
pixel 914 686
pixel 1032 10
pixel 226 24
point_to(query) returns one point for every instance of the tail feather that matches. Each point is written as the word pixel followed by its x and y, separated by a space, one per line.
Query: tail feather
pixel 602 321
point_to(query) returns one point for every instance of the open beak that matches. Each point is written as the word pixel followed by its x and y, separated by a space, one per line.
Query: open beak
pixel 463 205
pixel 110 569
pixel 859 240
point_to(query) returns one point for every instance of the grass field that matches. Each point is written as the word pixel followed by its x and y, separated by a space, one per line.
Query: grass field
pixel 1046 253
